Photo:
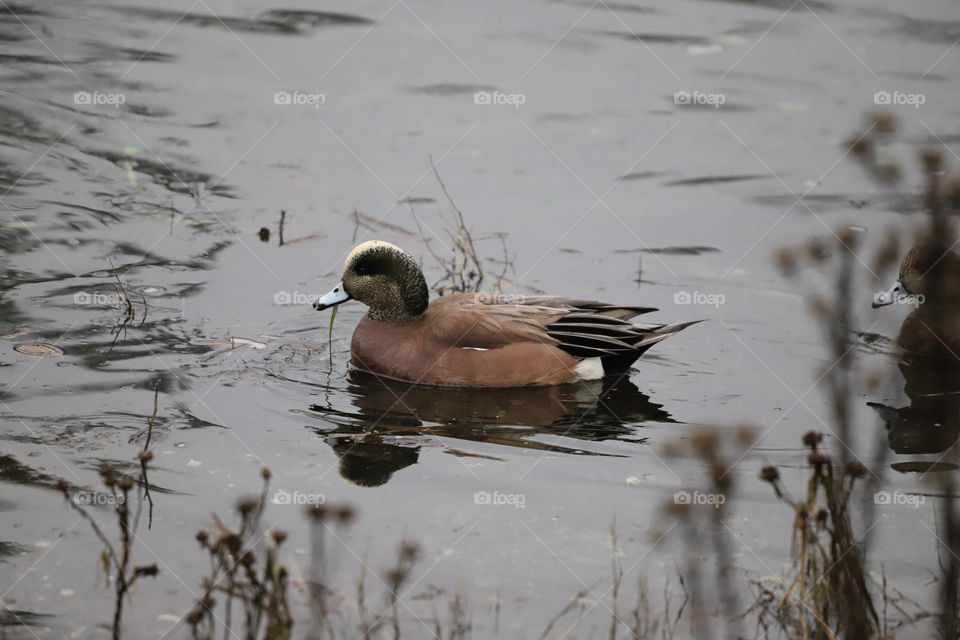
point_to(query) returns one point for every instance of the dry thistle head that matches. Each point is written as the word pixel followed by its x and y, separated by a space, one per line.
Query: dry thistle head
pixel 248 505
pixel 202 538
pixel 408 551
pixel 848 238
pixel 746 435
pixel 856 469
pixel 248 559
pixel 279 537
pixel 704 442
pixel 884 122
pixel 125 483
pixel 108 475
pixel 145 456
pixel 812 439
pixel 397 576
pixel 860 146
pixel 931 159
pixel 786 261
pixel 344 514
pixel 265 473
pixel 888 172
pixel 770 474
pixel 817 250
pixel 231 541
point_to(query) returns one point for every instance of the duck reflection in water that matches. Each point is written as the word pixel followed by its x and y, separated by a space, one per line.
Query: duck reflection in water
pixel 394 419
pixel 929 345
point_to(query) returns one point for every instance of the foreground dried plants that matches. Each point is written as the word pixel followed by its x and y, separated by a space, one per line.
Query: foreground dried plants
pixel 831 587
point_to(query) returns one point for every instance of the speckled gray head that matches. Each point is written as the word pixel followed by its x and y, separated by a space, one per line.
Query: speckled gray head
pixel 385 278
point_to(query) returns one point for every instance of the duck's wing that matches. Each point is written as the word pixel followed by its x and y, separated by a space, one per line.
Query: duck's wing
pixel 583 328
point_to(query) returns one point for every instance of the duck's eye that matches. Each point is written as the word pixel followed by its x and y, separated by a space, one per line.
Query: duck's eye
pixel 371 265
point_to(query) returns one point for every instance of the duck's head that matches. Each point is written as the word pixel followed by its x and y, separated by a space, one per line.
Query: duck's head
pixel 385 278
pixel 929 272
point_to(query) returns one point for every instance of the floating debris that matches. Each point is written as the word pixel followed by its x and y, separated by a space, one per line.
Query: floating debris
pixel 39 349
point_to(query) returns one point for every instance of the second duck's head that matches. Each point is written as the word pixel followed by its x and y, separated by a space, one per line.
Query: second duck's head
pixel 930 272
pixel 385 278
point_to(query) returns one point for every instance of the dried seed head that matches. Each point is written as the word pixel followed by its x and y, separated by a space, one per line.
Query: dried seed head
pixel 817 250
pixel 146 456
pixel 769 474
pixel 396 576
pixel 860 146
pixel 232 542
pixel 786 261
pixel 344 514
pixel 409 550
pixel 856 469
pixel 248 505
pixel 265 473
pixel 812 439
pixel 746 435
pixel 63 487
pixel 931 159
pixel 125 483
pixel 704 442
pixel 884 122
pixel 202 538
pixel 279 537
pixel 848 238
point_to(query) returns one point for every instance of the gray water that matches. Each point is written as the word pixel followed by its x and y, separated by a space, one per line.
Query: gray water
pixel 599 165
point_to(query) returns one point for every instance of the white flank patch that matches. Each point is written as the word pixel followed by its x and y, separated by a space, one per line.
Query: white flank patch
pixel 474 348
pixel 589 369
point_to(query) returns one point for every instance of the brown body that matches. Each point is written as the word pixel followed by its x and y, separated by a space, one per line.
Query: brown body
pixel 452 344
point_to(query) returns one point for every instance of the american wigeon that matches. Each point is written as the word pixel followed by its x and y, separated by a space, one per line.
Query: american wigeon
pixel 481 340
pixel 929 280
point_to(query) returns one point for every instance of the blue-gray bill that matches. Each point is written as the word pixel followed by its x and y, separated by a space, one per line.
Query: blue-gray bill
pixel 332 298
pixel 896 293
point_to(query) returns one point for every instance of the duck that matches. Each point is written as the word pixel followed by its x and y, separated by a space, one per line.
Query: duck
pixel 929 280
pixel 481 339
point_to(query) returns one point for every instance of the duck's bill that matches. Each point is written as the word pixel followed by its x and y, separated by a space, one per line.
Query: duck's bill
pixel 896 293
pixel 337 296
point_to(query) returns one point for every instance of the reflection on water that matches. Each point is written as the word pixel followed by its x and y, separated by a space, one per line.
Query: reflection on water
pixel 391 418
